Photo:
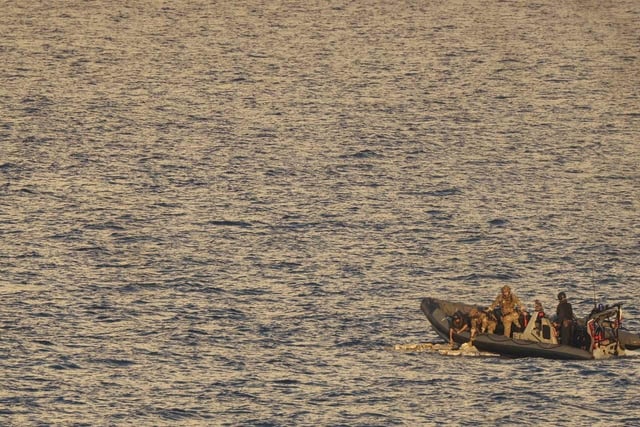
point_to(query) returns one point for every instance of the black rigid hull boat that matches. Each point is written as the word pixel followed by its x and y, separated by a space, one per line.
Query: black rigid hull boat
pixel 600 336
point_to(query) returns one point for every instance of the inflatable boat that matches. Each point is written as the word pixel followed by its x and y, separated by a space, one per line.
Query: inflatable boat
pixel 596 337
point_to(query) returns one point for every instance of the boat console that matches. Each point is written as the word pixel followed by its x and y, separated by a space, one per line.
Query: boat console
pixel 539 329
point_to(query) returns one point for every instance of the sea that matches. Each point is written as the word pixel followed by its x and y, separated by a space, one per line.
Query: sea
pixel 226 213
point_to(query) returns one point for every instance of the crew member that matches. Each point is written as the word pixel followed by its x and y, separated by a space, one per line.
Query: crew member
pixel 507 301
pixel 475 322
pixel 564 313
pixel 459 324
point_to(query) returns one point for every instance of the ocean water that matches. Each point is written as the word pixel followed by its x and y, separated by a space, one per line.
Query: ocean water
pixel 227 213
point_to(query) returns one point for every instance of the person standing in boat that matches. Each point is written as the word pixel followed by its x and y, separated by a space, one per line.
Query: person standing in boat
pixel 507 301
pixel 564 313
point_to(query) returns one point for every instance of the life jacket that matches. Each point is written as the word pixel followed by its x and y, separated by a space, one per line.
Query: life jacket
pixel 508 304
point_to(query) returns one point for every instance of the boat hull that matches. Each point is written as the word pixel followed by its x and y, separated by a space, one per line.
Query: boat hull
pixel 520 348
pixel 629 340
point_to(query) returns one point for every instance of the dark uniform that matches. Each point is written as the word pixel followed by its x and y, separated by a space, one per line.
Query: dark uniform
pixel 459 324
pixel 565 319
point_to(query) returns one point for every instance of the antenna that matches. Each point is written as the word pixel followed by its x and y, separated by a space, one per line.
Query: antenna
pixel 593 281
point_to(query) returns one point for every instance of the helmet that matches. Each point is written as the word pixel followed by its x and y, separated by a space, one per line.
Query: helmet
pixel 562 296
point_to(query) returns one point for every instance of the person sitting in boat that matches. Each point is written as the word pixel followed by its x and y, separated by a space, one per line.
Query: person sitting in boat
pixel 480 321
pixel 459 324
pixel 538 308
pixel 507 301
pixel 539 312
pixel 564 320
pixel 489 321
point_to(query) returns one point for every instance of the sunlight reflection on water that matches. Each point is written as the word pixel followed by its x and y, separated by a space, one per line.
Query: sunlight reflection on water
pixel 227 214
